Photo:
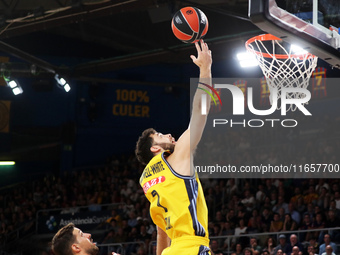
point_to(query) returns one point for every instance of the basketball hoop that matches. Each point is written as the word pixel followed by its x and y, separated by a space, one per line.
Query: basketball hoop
pixel 282 68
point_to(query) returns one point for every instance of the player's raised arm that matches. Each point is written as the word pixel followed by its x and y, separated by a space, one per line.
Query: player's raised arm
pixel 188 141
pixel 197 121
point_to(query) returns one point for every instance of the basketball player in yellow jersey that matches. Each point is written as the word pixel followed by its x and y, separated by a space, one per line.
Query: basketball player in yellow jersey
pixel 177 203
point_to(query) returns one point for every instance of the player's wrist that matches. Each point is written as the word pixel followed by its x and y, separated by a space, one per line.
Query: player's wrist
pixel 205 72
pixel 205 68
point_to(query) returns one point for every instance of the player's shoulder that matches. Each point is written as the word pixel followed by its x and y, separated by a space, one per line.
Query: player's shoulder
pixel 180 165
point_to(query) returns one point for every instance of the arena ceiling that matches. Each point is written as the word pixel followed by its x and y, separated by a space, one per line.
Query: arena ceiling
pixel 106 35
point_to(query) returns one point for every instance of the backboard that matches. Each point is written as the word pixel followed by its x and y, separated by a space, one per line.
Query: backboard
pixel 310 24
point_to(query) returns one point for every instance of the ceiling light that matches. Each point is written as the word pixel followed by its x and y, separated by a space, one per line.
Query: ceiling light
pixel 15 86
pixel 67 87
pixel 12 84
pixel 62 82
pixel 246 59
pixel 7 163
pixel 17 91
pixel 297 50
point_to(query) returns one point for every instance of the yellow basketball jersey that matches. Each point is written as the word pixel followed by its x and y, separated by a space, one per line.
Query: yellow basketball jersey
pixel 177 203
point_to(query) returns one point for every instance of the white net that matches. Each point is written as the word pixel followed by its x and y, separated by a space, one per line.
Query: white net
pixel 282 65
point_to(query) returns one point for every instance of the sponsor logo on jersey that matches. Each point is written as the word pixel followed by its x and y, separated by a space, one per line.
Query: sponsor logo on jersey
pixel 153 182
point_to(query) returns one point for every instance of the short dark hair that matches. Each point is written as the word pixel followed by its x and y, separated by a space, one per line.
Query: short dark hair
pixel 290 216
pixel 248 249
pixel 144 143
pixel 264 251
pixel 63 240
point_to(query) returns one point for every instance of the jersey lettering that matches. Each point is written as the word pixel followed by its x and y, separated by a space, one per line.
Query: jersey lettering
pixel 151 170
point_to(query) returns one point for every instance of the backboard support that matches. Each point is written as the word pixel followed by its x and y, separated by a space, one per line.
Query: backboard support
pixel 302 27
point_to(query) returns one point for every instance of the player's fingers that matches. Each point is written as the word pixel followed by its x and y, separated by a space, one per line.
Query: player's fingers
pixel 193 58
pixel 204 45
pixel 198 48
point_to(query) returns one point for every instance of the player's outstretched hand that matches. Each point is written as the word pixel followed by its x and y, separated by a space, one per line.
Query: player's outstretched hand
pixel 203 59
pixel 113 253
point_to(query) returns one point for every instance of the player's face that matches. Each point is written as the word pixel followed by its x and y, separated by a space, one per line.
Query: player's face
pixel 85 242
pixel 167 142
pixel 167 138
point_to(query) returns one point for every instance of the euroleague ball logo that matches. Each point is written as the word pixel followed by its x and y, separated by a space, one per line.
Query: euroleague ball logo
pixel 189 12
pixel 203 17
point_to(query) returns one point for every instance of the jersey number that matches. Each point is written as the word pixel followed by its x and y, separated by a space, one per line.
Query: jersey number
pixel 167 221
pixel 154 193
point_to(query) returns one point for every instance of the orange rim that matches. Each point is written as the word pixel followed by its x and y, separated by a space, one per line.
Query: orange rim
pixel 269 37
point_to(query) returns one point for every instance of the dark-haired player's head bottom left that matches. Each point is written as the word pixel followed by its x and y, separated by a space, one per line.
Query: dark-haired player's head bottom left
pixel 71 240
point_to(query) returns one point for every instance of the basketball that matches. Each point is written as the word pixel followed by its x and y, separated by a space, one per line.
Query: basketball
pixel 189 24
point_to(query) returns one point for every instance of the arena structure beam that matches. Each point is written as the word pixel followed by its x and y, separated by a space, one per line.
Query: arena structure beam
pixel 28 58
pixel 214 9
pixel 172 54
pixel 132 60
pixel 75 15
